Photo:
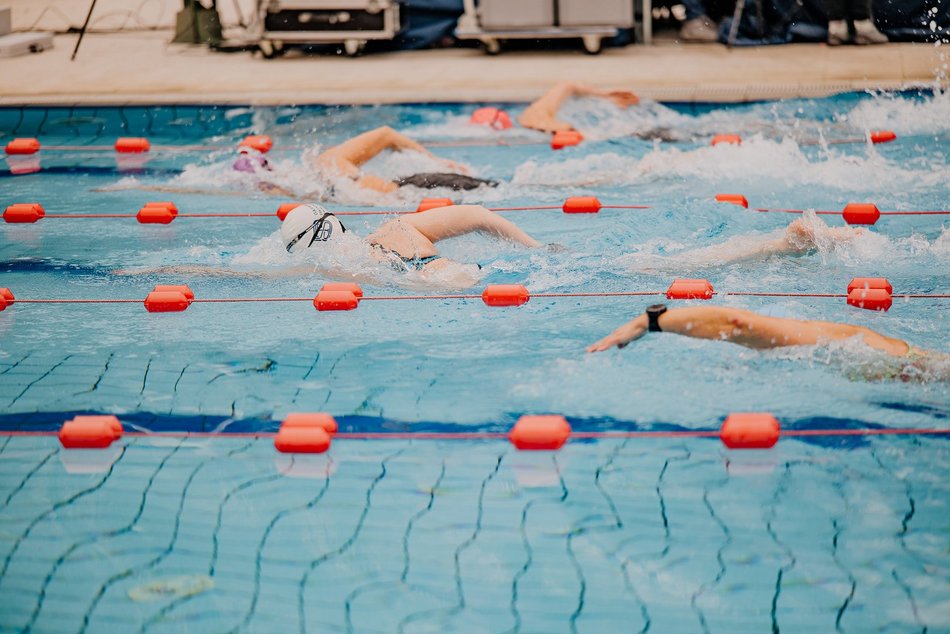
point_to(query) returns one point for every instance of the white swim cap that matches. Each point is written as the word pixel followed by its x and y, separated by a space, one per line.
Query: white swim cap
pixel 307 225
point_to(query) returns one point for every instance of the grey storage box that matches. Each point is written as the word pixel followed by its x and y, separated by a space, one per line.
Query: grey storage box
pixel 516 14
pixel 24 43
pixel 618 13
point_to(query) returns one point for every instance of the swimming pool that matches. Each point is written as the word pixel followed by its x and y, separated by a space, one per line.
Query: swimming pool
pixel 400 534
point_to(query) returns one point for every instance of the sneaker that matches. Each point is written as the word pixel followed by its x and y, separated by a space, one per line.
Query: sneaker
pixel 700 29
pixel 838 32
pixel 866 33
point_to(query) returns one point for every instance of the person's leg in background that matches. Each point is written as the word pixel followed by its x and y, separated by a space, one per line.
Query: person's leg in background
pixel 698 27
pixel 864 30
pixel 840 11
pixel 837 22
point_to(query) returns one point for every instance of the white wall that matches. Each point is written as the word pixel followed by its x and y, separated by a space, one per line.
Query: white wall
pixel 59 15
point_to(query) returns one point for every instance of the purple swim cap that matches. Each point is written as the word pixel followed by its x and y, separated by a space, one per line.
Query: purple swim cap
pixel 249 163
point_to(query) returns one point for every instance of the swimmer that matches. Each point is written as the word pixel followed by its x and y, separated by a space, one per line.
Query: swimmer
pixel 542 113
pixel 253 162
pixel 802 236
pixel 406 243
pixel 348 157
pixel 345 159
pixel 752 330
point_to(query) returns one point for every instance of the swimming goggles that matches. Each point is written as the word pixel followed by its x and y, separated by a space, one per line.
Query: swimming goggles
pixel 322 230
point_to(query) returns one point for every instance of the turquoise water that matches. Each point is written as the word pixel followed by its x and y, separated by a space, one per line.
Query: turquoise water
pixel 655 535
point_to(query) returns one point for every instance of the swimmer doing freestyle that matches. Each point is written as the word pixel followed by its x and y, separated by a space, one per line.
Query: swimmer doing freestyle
pixel 406 243
pixel 346 161
pixel 752 330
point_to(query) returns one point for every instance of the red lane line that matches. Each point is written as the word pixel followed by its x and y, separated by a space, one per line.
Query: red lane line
pixel 915 213
pixel 394 297
pixel 798 211
pixel 423 435
pixel 644 434
pixel 503 435
pixel 756 294
pixel 538 208
pixel 69 216
pixel 617 294
pixel 78 301
pixel 224 300
pixel 233 215
pixel 626 207
pixel 861 432
pixel 838 213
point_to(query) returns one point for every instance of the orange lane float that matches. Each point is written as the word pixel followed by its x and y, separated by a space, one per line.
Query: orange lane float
pixel 749 430
pixel 492 117
pixel 305 433
pixel 690 289
pixel 870 298
pixel 23 146
pixel 23 213
pixel 6 298
pixel 335 300
pixel 132 145
pixel 350 287
pixel 311 419
pixel 735 199
pixel 861 213
pixel 882 136
pixel 176 288
pixel 870 282
pixel 505 295
pixel 157 213
pixel 167 204
pixel 434 203
pixel 168 301
pixel 90 432
pixel 582 205
pixel 566 138
pixel 727 139
pixel 540 433
pixel 260 142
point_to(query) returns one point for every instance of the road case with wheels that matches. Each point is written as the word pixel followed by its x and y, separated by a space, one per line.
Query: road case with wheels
pixel 352 23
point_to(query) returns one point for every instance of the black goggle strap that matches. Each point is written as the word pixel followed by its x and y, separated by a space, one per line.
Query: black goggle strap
pixel 316 226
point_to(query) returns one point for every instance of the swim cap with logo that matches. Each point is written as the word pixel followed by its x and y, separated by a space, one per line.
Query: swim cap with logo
pixel 307 225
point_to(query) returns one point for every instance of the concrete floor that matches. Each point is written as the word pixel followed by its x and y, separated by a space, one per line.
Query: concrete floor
pixel 129 68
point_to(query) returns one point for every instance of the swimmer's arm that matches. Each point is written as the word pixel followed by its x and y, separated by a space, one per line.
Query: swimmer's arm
pixel 799 237
pixel 748 329
pixel 737 249
pixel 542 113
pixel 701 322
pixel 347 157
pixel 456 220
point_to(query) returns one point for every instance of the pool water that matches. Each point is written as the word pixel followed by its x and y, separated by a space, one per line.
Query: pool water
pixel 176 533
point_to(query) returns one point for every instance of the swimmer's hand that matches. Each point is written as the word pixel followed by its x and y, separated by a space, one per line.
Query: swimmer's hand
pixel 623 98
pixel 802 235
pixel 554 247
pixel 630 331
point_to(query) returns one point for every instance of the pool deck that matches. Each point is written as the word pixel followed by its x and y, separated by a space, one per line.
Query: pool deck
pixel 143 68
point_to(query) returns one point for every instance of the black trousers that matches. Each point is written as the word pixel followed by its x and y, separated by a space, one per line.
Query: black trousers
pixel 844 9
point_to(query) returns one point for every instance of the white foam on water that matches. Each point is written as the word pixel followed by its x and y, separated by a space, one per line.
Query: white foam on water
pixel 780 163
pixel 904 115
